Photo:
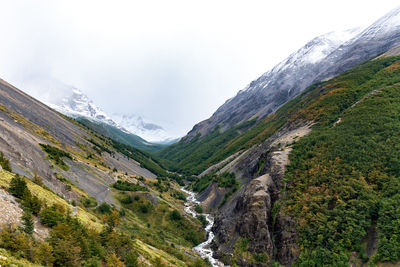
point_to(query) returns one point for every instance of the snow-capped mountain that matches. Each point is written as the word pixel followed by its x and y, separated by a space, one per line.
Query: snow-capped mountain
pixel 321 58
pixel 381 36
pixel 75 103
pixel 265 94
pixel 136 125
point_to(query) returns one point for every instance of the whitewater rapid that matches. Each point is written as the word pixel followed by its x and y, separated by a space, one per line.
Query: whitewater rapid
pixel 202 249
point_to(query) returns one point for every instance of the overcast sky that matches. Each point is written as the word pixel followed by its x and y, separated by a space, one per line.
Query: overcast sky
pixel 172 62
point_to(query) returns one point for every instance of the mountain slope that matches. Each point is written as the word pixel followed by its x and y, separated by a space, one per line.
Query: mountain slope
pixel 335 202
pixel 119 135
pixel 196 151
pixel 92 199
pixel 275 87
pixel 321 58
pixel 74 103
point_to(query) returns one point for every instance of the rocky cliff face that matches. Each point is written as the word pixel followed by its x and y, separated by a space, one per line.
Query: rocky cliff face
pixel 250 214
pixel 321 58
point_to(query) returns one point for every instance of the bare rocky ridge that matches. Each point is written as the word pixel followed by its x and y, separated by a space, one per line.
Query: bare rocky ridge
pixel 26 122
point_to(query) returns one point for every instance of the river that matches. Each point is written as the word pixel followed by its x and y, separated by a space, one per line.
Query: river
pixel 202 249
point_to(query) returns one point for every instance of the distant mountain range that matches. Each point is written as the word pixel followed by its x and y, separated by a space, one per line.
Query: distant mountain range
pixel 75 103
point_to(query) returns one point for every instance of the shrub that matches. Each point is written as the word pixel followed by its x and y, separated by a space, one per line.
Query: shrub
pixel 175 215
pixel 192 237
pixel 260 257
pixel 127 186
pixel 17 186
pixel 104 208
pixel 31 202
pixel 198 209
pixel 55 154
pixel 88 202
pixel 4 163
pixel 202 219
pixel 27 222
pixel 51 216
pixel 144 208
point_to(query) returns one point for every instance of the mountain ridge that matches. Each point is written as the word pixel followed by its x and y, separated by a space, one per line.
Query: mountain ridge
pixel 275 87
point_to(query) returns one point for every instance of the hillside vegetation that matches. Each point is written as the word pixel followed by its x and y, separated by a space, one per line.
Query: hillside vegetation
pixel 141 233
pixel 121 136
pixel 343 181
pixel 344 177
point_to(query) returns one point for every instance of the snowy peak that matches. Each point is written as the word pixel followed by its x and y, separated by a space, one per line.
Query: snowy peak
pixel 77 104
pixel 316 50
pixel 312 53
pixel 137 125
pixel 73 102
pixel 323 57
pixel 388 23
pixel 321 46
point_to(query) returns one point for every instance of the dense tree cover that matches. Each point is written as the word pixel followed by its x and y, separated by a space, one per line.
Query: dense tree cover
pixel 55 154
pixel 345 175
pixel 70 242
pixel 194 156
pixel 128 186
pixel 224 179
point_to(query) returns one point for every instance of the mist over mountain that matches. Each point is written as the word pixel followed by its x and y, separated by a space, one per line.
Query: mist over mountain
pixel 73 102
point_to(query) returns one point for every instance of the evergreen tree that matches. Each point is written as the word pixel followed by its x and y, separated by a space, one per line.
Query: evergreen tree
pixel 4 163
pixel 17 186
pixel 27 222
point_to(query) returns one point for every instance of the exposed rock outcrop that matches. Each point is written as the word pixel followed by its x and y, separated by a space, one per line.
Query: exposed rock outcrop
pixel 252 213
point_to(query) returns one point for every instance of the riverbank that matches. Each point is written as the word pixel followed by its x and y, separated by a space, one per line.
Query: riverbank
pixel 202 249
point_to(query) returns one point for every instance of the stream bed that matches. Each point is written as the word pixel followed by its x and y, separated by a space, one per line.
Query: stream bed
pixel 202 249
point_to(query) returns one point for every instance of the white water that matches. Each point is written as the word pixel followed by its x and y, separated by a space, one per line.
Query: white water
pixel 202 249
